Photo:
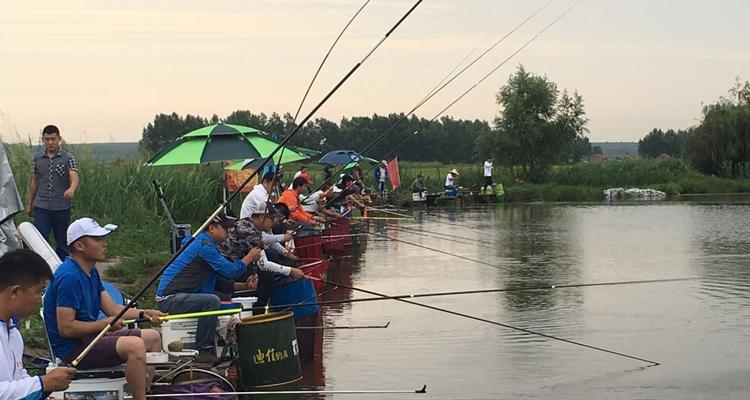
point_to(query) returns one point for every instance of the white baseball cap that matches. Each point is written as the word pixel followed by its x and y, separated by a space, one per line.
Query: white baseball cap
pixel 87 227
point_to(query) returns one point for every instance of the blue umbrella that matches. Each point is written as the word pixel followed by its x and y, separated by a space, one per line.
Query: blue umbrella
pixel 340 157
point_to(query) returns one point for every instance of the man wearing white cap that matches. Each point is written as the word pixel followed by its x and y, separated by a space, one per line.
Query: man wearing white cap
pixel 75 297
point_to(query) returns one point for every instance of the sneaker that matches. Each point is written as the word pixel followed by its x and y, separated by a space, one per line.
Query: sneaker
pixel 207 357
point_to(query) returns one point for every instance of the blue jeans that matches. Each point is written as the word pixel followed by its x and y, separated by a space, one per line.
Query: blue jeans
pixel 194 302
pixel 381 187
pixel 56 221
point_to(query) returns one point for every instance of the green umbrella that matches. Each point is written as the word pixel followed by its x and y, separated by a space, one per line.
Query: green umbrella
pixel 363 160
pixel 220 142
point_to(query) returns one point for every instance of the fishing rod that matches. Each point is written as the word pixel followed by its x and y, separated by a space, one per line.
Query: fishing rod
pixel 383 235
pixel 449 236
pixel 465 241
pixel 324 392
pixel 481 291
pixel 325 58
pixel 435 91
pixel 344 327
pixel 320 67
pixel 451 104
pixel 234 194
pixel 524 330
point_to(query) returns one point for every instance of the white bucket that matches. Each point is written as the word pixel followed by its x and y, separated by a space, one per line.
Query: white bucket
pixel 247 302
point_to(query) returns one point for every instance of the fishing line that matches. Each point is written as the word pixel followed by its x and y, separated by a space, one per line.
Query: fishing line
pixel 481 291
pixel 528 331
pixel 440 87
pixel 216 212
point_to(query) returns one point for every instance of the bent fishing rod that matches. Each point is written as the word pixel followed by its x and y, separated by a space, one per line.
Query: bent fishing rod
pixel 492 71
pixel 320 67
pixel 451 104
pixel 524 330
pixel 234 194
pixel 434 91
pixel 477 291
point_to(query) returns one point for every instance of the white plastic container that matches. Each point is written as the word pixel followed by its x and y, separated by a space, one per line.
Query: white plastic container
pixel 247 302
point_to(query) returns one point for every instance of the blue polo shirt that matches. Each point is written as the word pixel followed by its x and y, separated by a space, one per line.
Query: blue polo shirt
pixel 70 287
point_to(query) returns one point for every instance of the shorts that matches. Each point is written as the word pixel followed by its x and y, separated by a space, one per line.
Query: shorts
pixel 104 353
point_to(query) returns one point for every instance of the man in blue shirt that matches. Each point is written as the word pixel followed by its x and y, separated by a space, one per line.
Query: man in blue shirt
pixel 189 282
pixel 71 309
pixel 23 276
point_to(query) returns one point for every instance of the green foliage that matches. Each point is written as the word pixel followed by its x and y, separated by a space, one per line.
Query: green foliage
pixel 448 139
pixel 538 127
pixel 659 142
pixel 721 143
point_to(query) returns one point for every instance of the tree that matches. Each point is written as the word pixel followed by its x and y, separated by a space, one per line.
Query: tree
pixel 166 128
pixel 720 145
pixel 536 128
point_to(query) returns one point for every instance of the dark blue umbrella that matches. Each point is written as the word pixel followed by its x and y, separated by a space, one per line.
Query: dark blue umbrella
pixel 340 157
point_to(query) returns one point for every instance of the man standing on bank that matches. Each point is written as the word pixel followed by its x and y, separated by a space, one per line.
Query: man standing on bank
pixel 487 175
pixel 54 180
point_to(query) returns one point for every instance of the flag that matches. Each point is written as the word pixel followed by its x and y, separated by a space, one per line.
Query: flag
pixel 393 173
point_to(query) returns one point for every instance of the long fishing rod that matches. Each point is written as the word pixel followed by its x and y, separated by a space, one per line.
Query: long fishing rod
pixel 474 260
pixel 325 58
pixel 216 212
pixel 323 327
pixel 320 67
pixel 527 331
pixel 440 87
pixel 480 291
pixel 451 104
pixel 420 230
pixel 324 392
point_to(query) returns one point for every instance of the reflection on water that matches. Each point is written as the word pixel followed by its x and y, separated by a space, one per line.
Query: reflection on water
pixel 697 329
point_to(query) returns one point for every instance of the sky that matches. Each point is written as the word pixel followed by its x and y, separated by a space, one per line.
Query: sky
pixel 101 70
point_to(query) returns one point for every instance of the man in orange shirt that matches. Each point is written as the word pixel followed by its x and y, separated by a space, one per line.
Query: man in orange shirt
pixel 290 197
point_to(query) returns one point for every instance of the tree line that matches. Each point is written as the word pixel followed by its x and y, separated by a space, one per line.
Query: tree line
pixel 538 126
pixel 719 145
pixel 446 139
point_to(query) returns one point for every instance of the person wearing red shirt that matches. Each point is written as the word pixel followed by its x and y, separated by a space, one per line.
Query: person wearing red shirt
pixel 290 198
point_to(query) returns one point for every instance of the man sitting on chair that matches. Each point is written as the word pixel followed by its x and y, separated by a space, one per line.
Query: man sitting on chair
pixel 189 282
pixel 75 297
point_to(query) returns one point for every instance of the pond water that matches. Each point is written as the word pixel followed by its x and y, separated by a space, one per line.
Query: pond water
pixel 697 330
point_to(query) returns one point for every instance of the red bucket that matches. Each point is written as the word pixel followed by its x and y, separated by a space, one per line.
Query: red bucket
pixel 343 225
pixel 333 241
pixel 309 247
pixel 317 269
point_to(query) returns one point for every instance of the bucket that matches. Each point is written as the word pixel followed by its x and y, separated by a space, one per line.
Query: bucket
pixel 333 241
pixel 317 270
pixel 247 303
pixel 269 354
pixel 345 229
pixel 309 246
pixel 295 292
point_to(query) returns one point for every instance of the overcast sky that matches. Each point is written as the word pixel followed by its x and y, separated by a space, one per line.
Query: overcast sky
pixel 101 70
